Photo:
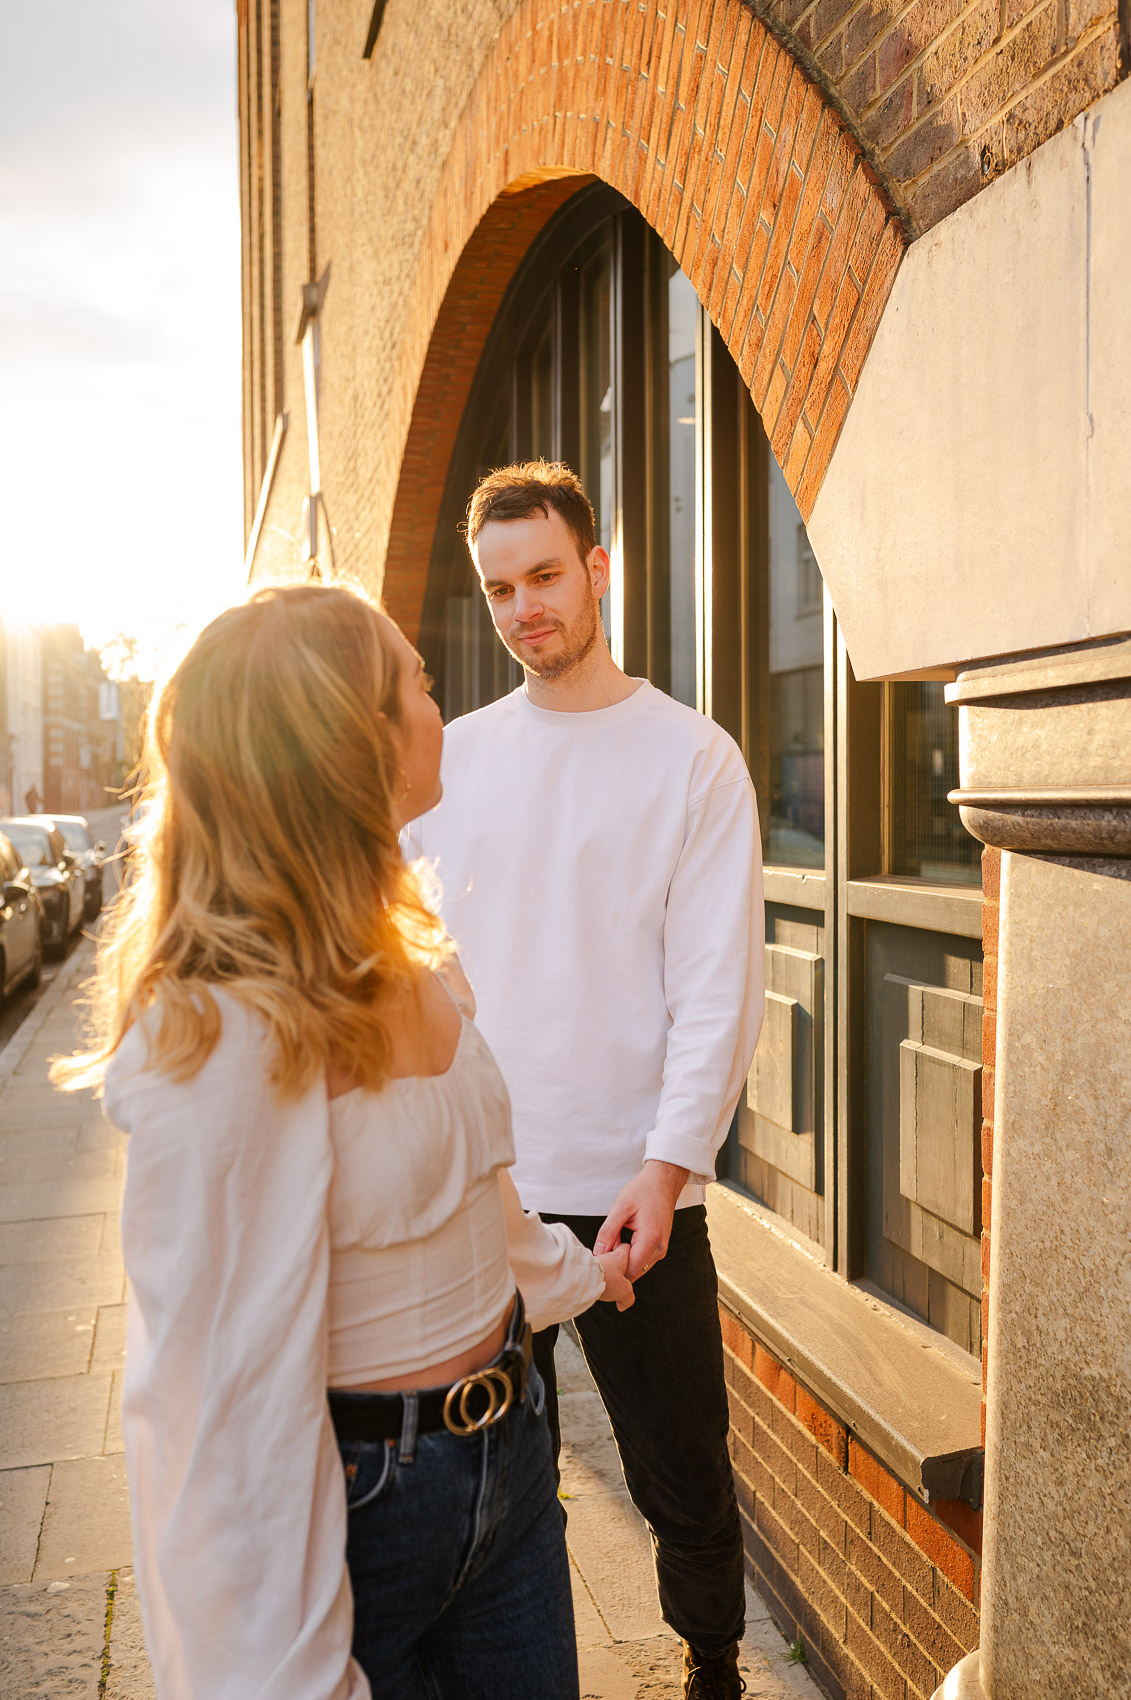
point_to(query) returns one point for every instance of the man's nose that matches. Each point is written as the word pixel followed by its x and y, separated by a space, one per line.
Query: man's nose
pixel 527 603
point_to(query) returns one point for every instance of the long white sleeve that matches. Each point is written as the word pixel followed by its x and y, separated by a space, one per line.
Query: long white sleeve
pixel 238 1499
pixel 556 1275
pixel 714 977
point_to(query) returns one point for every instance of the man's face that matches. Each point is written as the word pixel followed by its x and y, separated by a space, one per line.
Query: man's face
pixel 543 597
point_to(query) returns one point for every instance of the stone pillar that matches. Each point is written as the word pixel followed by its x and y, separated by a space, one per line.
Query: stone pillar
pixel 1046 764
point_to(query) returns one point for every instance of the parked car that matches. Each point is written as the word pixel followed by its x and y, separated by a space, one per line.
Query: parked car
pixel 88 855
pixel 21 922
pixel 54 872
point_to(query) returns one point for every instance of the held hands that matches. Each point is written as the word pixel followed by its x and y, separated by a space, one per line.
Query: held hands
pixel 618 1288
pixel 646 1207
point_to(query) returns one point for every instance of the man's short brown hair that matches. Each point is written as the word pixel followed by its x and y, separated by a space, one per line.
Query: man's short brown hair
pixel 533 487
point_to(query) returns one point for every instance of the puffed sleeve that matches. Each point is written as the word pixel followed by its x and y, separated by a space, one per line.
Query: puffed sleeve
pixel 553 1271
pixel 237 1494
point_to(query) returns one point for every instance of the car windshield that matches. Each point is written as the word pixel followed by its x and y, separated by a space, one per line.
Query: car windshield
pixel 33 845
pixel 74 836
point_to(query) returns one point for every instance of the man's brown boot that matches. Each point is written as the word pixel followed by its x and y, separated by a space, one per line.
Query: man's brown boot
pixel 716 1678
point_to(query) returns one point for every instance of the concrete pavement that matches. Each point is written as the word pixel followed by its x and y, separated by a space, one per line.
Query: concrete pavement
pixel 69 1623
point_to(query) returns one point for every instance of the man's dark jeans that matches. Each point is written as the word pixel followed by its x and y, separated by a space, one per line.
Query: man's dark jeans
pixel 659 1370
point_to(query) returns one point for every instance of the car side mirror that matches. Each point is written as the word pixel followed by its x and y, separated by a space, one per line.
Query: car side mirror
pixel 13 893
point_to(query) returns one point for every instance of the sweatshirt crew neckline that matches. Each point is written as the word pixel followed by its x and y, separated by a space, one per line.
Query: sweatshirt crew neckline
pixel 584 717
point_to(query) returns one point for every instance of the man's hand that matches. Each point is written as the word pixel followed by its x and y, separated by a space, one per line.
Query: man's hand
pixel 618 1288
pixel 646 1206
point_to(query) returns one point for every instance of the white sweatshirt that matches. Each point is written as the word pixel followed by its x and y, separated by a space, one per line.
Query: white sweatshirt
pixel 601 876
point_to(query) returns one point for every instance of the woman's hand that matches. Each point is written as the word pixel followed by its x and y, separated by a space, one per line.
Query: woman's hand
pixel 618 1288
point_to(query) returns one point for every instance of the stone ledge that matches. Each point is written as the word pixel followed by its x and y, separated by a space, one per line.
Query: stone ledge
pixel 917 903
pixel 911 1397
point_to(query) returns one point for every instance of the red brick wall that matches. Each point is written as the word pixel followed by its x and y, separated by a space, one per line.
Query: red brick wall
pixel 882 1591
pixel 948 94
pixel 706 124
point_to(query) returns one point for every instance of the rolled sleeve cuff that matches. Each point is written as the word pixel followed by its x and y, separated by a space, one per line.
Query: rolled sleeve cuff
pixel 694 1155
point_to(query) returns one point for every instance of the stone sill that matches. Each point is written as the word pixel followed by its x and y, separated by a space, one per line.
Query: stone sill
pixel 911 1397
pixel 905 902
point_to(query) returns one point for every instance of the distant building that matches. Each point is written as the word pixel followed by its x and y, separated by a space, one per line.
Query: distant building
pixel 21 717
pixel 82 749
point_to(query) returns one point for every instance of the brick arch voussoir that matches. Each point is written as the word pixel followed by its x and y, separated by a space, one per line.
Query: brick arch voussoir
pixel 706 124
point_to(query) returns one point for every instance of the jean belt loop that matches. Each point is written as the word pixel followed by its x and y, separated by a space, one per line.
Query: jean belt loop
pixel 408 1428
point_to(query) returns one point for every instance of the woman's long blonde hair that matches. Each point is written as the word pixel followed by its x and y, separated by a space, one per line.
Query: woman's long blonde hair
pixel 268 862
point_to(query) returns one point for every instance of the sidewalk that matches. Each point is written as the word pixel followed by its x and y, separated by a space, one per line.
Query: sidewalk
pixel 69 1623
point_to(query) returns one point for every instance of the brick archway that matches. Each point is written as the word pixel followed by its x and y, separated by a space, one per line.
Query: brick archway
pixel 706 123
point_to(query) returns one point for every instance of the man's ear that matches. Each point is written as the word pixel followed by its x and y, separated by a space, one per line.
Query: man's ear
pixel 598 568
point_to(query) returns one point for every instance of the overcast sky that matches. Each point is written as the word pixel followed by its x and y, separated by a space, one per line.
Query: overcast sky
pixel 119 312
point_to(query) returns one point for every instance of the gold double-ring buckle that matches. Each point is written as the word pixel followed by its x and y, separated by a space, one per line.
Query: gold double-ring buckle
pixel 457 1415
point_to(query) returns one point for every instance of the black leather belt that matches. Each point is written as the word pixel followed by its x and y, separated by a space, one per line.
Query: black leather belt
pixel 466 1406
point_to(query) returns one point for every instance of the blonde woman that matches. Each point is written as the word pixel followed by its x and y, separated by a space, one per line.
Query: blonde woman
pixel 318 1199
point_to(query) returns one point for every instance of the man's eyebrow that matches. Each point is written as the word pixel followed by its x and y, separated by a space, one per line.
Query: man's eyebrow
pixel 538 567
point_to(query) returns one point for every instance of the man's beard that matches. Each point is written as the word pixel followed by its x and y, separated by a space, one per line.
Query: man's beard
pixel 576 645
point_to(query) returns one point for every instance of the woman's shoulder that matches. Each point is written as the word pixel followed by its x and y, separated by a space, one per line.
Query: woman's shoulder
pixel 236 1064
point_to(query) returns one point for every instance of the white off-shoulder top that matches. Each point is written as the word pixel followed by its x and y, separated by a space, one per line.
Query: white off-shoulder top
pixel 247 1226
pixel 427 1235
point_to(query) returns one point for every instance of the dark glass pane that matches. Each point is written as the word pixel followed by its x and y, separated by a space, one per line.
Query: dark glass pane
pixel 796 834
pixel 476 667
pixel 683 515
pixel 597 392
pixel 927 838
pixel 542 396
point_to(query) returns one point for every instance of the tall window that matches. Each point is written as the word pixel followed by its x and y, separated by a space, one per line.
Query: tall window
pixel 604 357
pixel 925 837
pixel 796 826
pixel 684 521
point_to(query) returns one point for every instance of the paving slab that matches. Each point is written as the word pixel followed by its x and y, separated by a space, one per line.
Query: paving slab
pixel 58 1166
pixel 129 1676
pixel 79 1281
pixel 34 1142
pixel 29 1200
pixel 592 1630
pixel 23 1496
pixel 37 1104
pixel 42 1421
pixel 612 1549
pixel 40 1344
pixel 114 1441
pixel 96 1134
pixel 605 1675
pixel 52 1641
pixel 48 1240
pixel 111 1243
pixel 589 1460
pixel 109 1338
pixel 86 1525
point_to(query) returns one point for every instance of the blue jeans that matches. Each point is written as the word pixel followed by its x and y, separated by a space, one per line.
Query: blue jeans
pixel 458 1563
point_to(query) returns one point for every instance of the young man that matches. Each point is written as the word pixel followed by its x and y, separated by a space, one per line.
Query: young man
pixel 599 855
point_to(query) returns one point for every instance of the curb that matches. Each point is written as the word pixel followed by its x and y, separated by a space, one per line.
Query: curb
pixel 20 1043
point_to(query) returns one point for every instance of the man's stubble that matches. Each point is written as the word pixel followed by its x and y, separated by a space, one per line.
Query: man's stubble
pixel 578 642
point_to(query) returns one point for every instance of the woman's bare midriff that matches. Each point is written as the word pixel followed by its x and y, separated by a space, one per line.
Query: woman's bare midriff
pixel 451 1369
